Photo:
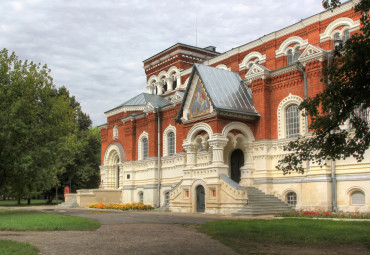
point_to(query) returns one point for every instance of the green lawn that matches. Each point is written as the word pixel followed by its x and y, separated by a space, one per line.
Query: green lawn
pixel 8 247
pixel 35 221
pixel 258 236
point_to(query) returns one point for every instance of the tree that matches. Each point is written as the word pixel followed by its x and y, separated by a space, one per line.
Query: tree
pixel 37 129
pixel 344 99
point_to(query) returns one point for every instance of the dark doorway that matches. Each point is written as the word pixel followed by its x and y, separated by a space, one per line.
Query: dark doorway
pixel 236 162
pixel 201 205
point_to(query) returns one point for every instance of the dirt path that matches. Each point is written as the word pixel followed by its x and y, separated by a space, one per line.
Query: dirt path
pixel 125 233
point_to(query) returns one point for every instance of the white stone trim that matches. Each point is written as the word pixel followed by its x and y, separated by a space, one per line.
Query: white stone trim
pixel 284 47
pixel 289 100
pixel 224 67
pixel 257 71
pixel 169 129
pixel 161 75
pixel 112 152
pixel 353 189
pixel 195 130
pixel 247 59
pixel 140 146
pixel 244 129
pixel 124 109
pixel 312 53
pixel 115 132
pixel 331 28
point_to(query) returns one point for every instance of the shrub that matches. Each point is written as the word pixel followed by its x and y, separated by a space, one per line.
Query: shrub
pixel 123 207
pixel 326 214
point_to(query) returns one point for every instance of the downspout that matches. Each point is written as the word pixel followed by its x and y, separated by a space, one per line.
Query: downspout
pixel 159 157
pixel 332 166
pixel 305 97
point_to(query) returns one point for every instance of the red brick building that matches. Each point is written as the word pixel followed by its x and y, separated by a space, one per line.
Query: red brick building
pixel 209 131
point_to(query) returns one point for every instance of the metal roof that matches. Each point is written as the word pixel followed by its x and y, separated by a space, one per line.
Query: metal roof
pixel 144 98
pixel 226 90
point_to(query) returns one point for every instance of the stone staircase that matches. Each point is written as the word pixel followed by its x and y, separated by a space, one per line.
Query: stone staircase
pixel 260 203
pixel 69 204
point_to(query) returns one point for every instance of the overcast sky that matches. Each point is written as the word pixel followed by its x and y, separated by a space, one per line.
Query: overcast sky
pixel 96 48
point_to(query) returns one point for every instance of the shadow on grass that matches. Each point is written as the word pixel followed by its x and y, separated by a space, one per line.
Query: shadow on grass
pixel 35 202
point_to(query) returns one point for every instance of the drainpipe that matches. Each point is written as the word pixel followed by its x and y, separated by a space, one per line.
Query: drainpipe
pixel 159 156
pixel 332 164
pixel 305 97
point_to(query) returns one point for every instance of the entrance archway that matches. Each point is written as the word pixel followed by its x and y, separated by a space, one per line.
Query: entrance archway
pixel 201 205
pixel 236 162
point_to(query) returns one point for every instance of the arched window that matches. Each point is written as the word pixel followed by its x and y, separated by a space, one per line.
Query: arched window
pixel 346 36
pixel 171 143
pixel 174 83
pixel 357 198
pixel 291 198
pixel 167 198
pixel 297 53
pixel 141 197
pixel 164 86
pixel 292 120
pixel 290 56
pixel 145 148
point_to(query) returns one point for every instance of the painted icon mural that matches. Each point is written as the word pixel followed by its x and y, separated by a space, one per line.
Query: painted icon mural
pixel 200 104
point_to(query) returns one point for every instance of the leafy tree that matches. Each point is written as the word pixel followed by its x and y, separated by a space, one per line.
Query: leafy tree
pixel 37 129
pixel 346 95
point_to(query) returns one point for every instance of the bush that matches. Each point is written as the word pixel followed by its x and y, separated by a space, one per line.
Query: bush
pixel 325 214
pixel 123 207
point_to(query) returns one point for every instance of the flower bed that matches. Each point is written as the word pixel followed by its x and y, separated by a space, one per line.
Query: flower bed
pixel 123 207
pixel 326 214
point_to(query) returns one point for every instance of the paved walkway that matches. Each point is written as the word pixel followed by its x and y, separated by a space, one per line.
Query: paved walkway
pixel 125 233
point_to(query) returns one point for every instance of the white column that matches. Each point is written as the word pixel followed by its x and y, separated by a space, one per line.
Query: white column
pixel 169 84
pixel 248 169
pixel 191 155
pixel 178 77
pixel 149 89
pixel 218 144
pixel 159 86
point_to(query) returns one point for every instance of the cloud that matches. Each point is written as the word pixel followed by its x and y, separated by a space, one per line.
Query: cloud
pixel 96 48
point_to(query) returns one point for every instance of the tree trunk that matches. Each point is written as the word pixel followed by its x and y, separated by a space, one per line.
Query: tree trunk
pixel 29 201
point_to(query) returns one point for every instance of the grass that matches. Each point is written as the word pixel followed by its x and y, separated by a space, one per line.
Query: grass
pixel 8 247
pixel 248 236
pixel 12 203
pixel 39 221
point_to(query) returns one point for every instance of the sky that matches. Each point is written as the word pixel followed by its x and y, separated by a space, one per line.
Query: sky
pixel 96 48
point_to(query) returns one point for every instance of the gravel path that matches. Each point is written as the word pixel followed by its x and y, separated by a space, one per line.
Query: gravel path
pixel 125 233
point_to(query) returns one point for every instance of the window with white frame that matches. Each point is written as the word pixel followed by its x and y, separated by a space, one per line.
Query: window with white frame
pixel 167 198
pixel 291 198
pixel 292 120
pixel 145 148
pixel 357 198
pixel 293 55
pixel 141 197
pixel 171 143
pixel 341 37
pixel 281 116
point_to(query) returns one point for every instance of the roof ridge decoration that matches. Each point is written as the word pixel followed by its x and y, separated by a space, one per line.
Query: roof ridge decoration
pixel 139 103
pixel 311 53
pixel 257 71
pixel 216 90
